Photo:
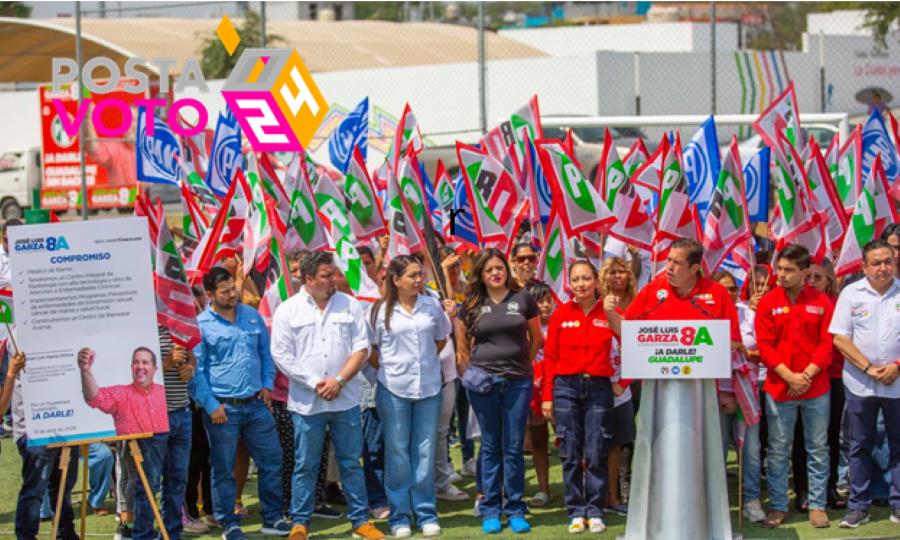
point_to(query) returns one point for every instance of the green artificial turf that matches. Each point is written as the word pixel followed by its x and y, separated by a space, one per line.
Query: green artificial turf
pixel 456 518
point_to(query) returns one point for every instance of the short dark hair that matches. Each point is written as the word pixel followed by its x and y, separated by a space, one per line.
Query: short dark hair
pixel 365 250
pixel 797 254
pixel 215 276
pixel 520 246
pixel 891 230
pixel 538 289
pixel 147 349
pixel 584 262
pixel 310 265
pixel 12 222
pixel 297 255
pixel 872 246
pixel 719 275
pixel 694 249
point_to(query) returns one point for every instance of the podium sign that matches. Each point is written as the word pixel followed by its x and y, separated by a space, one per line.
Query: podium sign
pixel 669 350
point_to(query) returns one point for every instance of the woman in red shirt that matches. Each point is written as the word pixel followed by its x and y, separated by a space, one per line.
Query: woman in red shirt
pixel 577 391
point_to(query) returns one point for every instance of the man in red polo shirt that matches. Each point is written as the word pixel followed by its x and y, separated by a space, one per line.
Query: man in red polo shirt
pixel 678 449
pixel 792 334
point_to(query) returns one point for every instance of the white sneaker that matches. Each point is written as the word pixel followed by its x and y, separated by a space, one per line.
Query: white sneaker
pixel 596 525
pixel 476 511
pixel 468 468
pixel 753 511
pixel 576 526
pixel 401 531
pixel 430 530
pixel 455 477
pixel 452 493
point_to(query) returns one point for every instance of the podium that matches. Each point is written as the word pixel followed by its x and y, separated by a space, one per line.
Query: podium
pixel 678 484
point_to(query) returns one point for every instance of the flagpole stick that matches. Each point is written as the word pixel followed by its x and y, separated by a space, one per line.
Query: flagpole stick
pixel 740 453
pixel 12 338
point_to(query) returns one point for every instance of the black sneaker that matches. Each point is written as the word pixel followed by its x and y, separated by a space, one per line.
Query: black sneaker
pixel 854 519
pixel 327 512
pixel 123 531
pixel 895 515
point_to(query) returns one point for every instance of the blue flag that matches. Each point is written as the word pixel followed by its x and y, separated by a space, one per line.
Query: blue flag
pixel 756 180
pixel 225 155
pixel 434 208
pixel 542 188
pixel 157 155
pixel 875 139
pixel 352 131
pixel 463 224
pixel 702 165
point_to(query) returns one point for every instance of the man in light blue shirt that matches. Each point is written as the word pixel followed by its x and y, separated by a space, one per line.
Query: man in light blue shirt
pixel 235 374
pixel 866 329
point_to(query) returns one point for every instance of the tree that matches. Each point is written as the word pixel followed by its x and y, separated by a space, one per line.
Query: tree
pixel 882 19
pixel 215 60
pixel 15 9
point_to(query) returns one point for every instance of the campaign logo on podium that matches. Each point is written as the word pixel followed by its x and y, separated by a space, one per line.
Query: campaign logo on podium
pixel 676 349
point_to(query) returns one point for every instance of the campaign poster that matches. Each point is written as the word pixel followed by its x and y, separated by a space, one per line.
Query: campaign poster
pixel 86 319
pixel 676 349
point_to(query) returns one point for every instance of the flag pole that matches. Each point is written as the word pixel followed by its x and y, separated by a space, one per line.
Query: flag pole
pixel 740 452
pixel 12 338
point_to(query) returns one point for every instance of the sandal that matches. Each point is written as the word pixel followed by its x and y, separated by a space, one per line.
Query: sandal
pixel 540 499
pixel 774 519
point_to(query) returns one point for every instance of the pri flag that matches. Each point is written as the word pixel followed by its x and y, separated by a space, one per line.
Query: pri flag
pixel 352 133
pixel 825 200
pixel 540 196
pixel 781 116
pixel 405 235
pixel 444 193
pixel 350 264
pixel 579 206
pixel 174 300
pixel 225 156
pixel 553 266
pixel 727 223
pixel 158 153
pixel 874 211
pixel 675 219
pixel 332 207
pixel 701 165
pixel 305 230
pixel 795 221
pixel 499 205
pixel 847 172
pixel 278 282
pixel 406 136
pixel 632 226
pixel 258 228
pixel 366 215
pixel 6 306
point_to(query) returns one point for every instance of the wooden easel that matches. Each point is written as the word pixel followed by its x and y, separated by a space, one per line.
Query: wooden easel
pixel 66 455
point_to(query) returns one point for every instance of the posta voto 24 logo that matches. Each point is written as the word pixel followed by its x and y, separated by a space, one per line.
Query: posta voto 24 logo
pixel 270 92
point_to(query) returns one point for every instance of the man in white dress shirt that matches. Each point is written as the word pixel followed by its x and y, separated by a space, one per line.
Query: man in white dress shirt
pixel 320 342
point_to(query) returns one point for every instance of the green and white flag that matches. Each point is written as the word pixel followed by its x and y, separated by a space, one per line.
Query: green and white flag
pixel 874 211
pixel 728 222
pixel 366 216
pixel 6 306
pixel 553 266
pixel 305 230
pixel 847 172
pixel 257 229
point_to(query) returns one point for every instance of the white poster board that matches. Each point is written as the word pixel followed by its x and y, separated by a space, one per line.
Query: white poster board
pixel 676 349
pixel 75 285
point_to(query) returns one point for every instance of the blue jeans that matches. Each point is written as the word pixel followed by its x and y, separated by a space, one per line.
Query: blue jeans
pixel 253 423
pixel 863 413
pixel 373 457
pixel 583 408
pixel 166 458
pixel 502 415
pixel 462 417
pixel 309 436
pixel 749 455
pixel 410 435
pixel 40 472
pixel 100 466
pixel 782 415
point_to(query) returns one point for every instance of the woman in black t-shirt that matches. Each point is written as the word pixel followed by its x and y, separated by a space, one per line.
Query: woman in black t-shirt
pixel 498 334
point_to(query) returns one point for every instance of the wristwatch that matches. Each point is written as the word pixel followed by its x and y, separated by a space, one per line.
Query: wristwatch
pixel 341 380
pixel 867 368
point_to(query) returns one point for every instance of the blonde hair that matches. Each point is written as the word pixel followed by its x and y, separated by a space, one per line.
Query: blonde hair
pixel 606 268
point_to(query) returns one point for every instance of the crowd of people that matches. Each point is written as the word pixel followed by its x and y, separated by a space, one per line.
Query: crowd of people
pixel 367 396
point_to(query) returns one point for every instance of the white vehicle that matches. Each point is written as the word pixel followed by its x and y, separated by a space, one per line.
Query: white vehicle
pixel 20 175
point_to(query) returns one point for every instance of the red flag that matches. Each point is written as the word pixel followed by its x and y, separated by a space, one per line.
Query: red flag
pixel 633 226
pixel 728 222
pixel 174 300
pixel 825 199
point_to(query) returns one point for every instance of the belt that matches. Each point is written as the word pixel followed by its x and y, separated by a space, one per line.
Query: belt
pixel 236 400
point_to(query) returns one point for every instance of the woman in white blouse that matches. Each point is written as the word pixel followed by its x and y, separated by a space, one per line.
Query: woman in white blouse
pixel 408 329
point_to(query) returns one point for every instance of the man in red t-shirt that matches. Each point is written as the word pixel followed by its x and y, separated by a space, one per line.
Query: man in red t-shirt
pixel 679 437
pixel 792 333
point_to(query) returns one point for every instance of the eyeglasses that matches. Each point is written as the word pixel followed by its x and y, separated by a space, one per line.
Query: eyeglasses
pixel 526 258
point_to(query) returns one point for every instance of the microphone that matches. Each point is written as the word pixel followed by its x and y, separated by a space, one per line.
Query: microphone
pixel 661 296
